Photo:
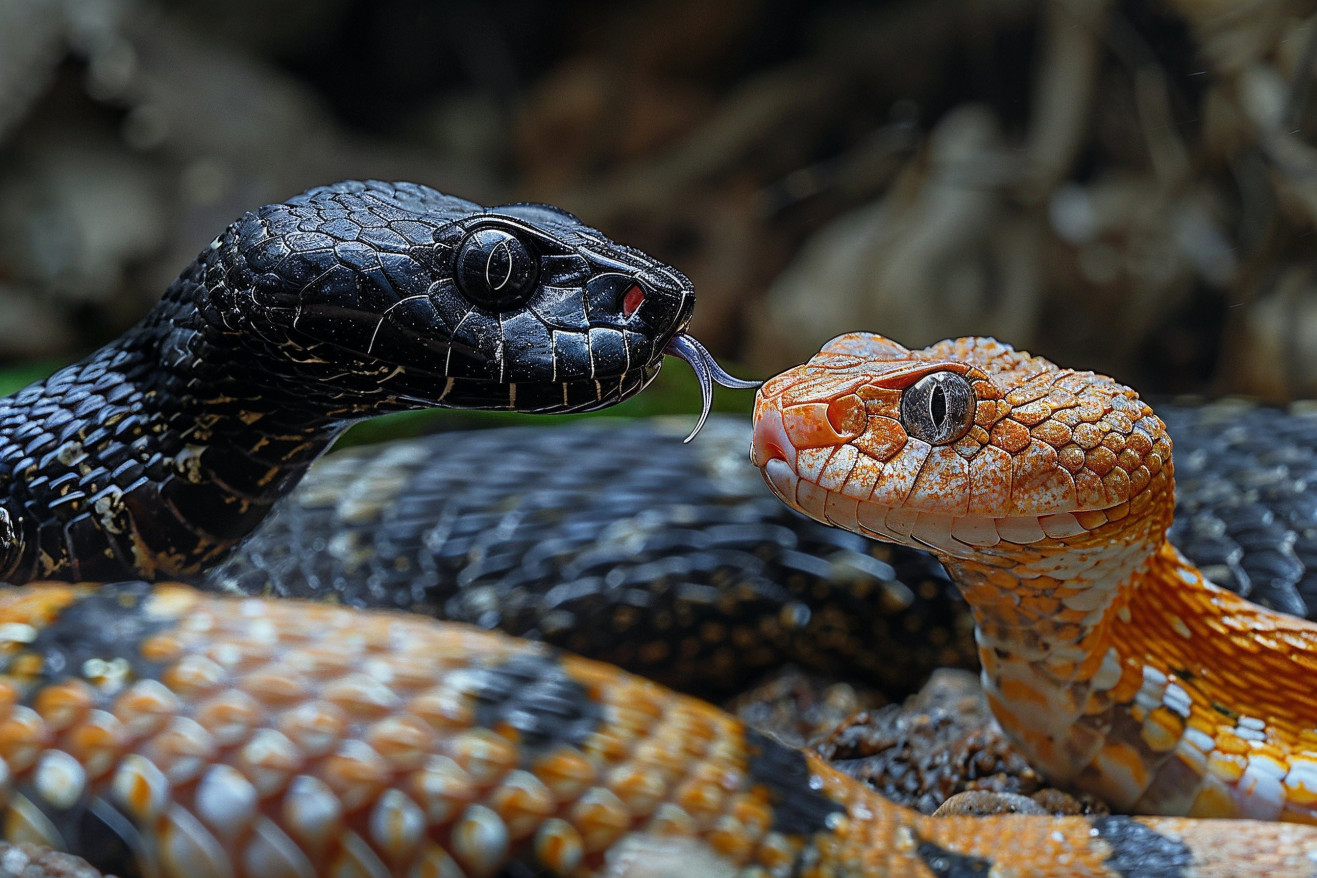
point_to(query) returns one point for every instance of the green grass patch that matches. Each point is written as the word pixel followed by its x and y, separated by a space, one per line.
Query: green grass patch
pixel 674 392
pixel 16 377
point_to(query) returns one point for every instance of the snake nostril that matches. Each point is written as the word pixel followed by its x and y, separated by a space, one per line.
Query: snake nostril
pixel 768 451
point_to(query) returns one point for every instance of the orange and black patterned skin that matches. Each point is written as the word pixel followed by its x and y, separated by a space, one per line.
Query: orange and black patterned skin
pixel 159 731
pixel 1047 494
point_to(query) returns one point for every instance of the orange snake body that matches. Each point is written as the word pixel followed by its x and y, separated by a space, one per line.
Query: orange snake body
pixel 208 737
pixel 1047 493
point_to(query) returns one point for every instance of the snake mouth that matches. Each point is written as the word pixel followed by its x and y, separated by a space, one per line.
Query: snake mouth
pixel 957 536
pixel 707 371
pixel 434 390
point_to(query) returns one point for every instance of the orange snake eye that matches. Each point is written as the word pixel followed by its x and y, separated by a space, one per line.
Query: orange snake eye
pixel 938 408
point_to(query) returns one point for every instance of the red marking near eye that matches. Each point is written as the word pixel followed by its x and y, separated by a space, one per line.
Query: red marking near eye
pixel 631 301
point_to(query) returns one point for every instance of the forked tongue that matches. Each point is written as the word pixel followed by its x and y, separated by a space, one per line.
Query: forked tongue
pixel 707 371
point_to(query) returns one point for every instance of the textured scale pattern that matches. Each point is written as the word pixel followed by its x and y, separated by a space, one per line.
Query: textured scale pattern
pixel 611 539
pixel 1245 512
pixel 182 735
pixel 617 541
pixel 1105 653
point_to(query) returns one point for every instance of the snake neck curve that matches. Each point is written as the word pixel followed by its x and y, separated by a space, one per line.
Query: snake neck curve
pixel 153 456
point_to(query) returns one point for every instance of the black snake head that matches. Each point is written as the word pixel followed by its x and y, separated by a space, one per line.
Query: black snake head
pixel 412 298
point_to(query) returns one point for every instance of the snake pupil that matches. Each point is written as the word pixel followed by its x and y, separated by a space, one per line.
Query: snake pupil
pixel 938 408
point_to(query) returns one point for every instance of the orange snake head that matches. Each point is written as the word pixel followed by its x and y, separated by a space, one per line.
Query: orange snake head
pixel 967 447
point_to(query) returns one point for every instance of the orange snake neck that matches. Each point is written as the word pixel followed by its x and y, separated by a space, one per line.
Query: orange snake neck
pixel 1047 494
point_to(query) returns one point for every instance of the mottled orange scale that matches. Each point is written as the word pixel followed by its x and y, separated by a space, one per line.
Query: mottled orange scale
pixel 1162 730
pixel 1040 605
pixel 1038 485
pixel 402 740
pixel 701 797
pixel 1010 436
pixel 1117 484
pixel 1071 457
pixel 63 704
pixel 1113 442
pixel 1019 693
pixel 838 361
pixel 990 482
pixel 607 745
pixel 1128 460
pixel 1020 397
pixel 883 439
pixel 1139 479
pixel 1120 761
pixel 566 772
pixel 522 808
pixel 275 688
pixel 1032 414
pixel 97 743
pixel 820 389
pixel 323 663
pixel 601 819
pixel 1052 432
pixel 1089 520
pixel 1213 801
pixel 1100 460
pixel 1130 682
pixel 354 779
pixel 943 483
pixel 1086 436
pixel 975 439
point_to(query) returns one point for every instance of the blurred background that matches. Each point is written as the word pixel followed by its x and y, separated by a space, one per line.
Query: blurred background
pixel 1122 186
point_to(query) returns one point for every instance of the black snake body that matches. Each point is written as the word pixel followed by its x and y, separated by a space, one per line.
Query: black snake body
pixel 617 541
pixel 155 455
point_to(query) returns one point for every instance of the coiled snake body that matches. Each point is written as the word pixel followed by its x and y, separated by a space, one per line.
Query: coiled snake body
pixel 160 731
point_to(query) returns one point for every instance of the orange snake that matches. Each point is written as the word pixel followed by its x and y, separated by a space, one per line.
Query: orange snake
pixel 1047 492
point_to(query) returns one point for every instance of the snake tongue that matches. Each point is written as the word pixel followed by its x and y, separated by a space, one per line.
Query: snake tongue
pixel 707 371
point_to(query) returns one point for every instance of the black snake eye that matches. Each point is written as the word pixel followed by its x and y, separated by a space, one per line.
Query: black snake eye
pixel 938 408
pixel 494 269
